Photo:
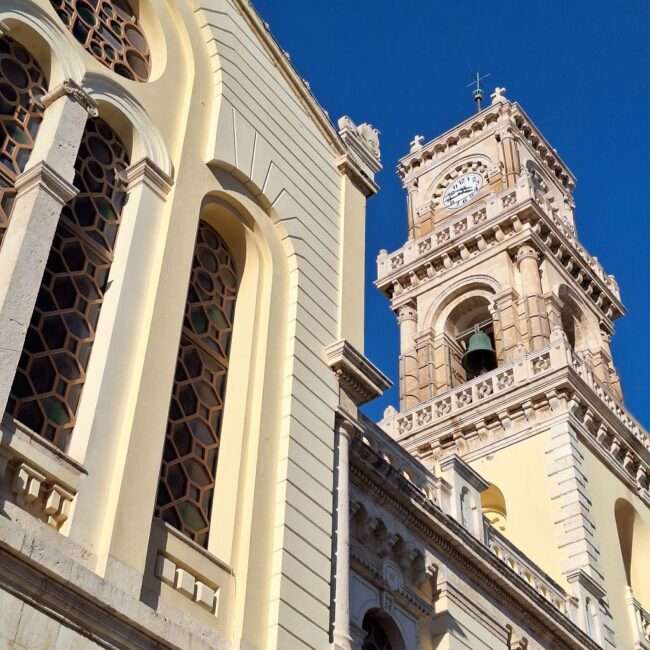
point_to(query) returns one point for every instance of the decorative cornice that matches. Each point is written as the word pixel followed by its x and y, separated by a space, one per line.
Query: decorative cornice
pixel 508 219
pixel 43 176
pixel 496 117
pixel 75 92
pixel 147 172
pixel 357 375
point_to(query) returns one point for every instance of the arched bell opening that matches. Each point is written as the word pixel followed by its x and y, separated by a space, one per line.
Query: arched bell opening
pixel 471 334
pixel 381 632
pixel 573 322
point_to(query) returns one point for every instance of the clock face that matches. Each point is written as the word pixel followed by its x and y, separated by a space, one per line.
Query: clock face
pixel 462 190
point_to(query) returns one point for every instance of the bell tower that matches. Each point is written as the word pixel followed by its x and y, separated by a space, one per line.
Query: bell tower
pixel 505 325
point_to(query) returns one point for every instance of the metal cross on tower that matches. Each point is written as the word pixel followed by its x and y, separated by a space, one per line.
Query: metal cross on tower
pixel 477 93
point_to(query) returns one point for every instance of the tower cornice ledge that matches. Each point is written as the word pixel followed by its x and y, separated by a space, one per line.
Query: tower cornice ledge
pixel 493 118
pixel 360 378
pixel 504 219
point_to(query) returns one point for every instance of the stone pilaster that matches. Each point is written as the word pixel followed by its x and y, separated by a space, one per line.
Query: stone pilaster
pixel 105 418
pixel 42 190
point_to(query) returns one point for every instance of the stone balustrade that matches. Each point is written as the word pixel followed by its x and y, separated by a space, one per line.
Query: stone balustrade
pixel 605 394
pixel 473 392
pixel 640 622
pixel 527 570
pixel 410 469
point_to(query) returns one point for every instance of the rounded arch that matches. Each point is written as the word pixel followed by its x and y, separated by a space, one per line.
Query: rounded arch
pixel 381 631
pixel 634 540
pixel 126 115
pixel 493 504
pixel 476 285
pixel 46 40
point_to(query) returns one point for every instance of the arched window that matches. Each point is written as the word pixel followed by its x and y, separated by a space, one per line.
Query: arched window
pixel 51 372
pixel 634 539
pixel 493 504
pixel 189 464
pixel 381 633
pixel 109 30
pixel 21 83
pixel 470 317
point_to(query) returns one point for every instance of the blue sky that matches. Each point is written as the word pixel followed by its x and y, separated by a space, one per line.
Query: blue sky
pixel 580 69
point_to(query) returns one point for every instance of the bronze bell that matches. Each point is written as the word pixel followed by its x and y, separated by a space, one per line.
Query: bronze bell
pixel 480 356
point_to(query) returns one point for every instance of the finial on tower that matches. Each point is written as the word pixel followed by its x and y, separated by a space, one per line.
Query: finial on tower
pixel 499 95
pixel 416 143
pixel 478 93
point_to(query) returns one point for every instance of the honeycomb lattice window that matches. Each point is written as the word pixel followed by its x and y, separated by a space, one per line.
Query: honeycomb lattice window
pixel 109 30
pixel 52 367
pixel 21 83
pixel 189 463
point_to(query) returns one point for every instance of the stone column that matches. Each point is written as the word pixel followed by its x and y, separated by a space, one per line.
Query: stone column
pixel 538 330
pixel 124 466
pixel 342 635
pixel 508 324
pixel 409 393
pixel 42 190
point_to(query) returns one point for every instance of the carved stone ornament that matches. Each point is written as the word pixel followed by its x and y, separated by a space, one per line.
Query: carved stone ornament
pixel 76 93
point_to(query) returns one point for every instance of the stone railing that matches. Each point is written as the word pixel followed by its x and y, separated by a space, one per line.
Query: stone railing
pixel 605 394
pixel 641 623
pixel 508 553
pixel 471 393
pixel 410 469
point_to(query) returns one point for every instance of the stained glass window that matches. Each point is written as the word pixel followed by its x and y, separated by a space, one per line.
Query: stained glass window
pixel 189 464
pixel 109 30
pixel 21 83
pixel 52 368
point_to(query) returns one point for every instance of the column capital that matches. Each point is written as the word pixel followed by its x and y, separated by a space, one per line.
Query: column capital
pixel 526 251
pixel 407 312
pixel 75 92
pixel 146 171
pixel 43 176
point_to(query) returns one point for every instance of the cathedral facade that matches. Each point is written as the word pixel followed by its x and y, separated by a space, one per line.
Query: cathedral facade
pixel 183 459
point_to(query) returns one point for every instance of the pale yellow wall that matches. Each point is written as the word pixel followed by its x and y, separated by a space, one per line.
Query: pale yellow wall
pixel 353 254
pixel 605 489
pixel 520 472
pixel 222 119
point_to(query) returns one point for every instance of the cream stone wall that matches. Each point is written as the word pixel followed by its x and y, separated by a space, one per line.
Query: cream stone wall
pixel 224 131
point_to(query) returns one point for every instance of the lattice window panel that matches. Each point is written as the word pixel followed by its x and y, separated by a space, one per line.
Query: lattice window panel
pixel 189 463
pixel 109 30
pixel 21 83
pixel 52 368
